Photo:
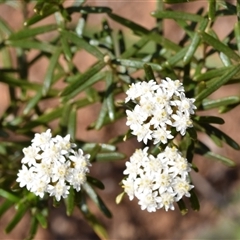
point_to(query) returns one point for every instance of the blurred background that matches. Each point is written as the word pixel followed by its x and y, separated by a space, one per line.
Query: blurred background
pixel 217 186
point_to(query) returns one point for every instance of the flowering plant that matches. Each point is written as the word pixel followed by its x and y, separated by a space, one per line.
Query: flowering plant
pixel 99 90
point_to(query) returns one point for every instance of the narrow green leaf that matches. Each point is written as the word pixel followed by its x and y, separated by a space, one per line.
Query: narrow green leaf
pixel 218 45
pixel 95 182
pixel 211 74
pixel 66 48
pixel 64 120
pixel 94 151
pixel 112 156
pixel 31 44
pixel 131 51
pixel 33 228
pixel 218 83
pixel 194 43
pixel 228 162
pixel 9 196
pixel 22 209
pixel 211 10
pixel 5 206
pixel 37 18
pixel 72 123
pixel 102 116
pixel 95 9
pixel 97 200
pixel 224 109
pixel 32 103
pixel 80 42
pixel 23 83
pixel 109 96
pixel 237 34
pixel 194 201
pixel 209 119
pixel 42 120
pixel 209 104
pixel 76 87
pixel 128 23
pixel 42 218
pixel 5 28
pixel 225 60
pixel 172 61
pixel 137 64
pixel 182 207
pixel 88 147
pixel 177 1
pixel 32 32
pixel 148 72
pixel 98 228
pixel 69 202
pixel 177 15
pixel 210 130
pixel 50 71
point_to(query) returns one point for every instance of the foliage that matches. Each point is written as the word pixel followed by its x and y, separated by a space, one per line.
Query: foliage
pixel 115 65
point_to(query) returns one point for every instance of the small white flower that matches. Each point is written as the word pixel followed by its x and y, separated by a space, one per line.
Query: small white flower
pixel 42 140
pixel 59 190
pixel 31 155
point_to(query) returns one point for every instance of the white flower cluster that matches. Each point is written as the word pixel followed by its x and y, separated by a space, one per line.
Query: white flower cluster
pixel 50 165
pixel 158 108
pixel 157 182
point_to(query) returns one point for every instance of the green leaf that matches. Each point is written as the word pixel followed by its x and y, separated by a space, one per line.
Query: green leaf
pixel 32 103
pixel 211 10
pixel 237 34
pixel 9 196
pixel 194 43
pixel 42 218
pixel 31 44
pixel 32 32
pixel 210 130
pixel 182 207
pixel 37 18
pixel 218 83
pixel 5 206
pixel 94 151
pixel 42 120
pixel 226 161
pixel 109 96
pixel 50 71
pixel 95 9
pixel 148 72
pixel 211 74
pixel 128 23
pixel 33 228
pixel 131 51
pixel 22 209
pixel 209 104
pixel 80 42
pixel 95 182
pixel 88 147
pixel 83 81
pixel 194 201
pixel 177 1
pixel 219 46
pixel 112 156
pixel 177 15
pixel 69 201
pixel 98 228
pixel 66 48
pixel 208 119
pixel 72 123
pixel 138 64
pixel 97 200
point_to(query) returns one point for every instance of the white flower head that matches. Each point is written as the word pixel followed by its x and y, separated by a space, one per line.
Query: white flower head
pixel 51 166
pixel 157 182
pixel 159 108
